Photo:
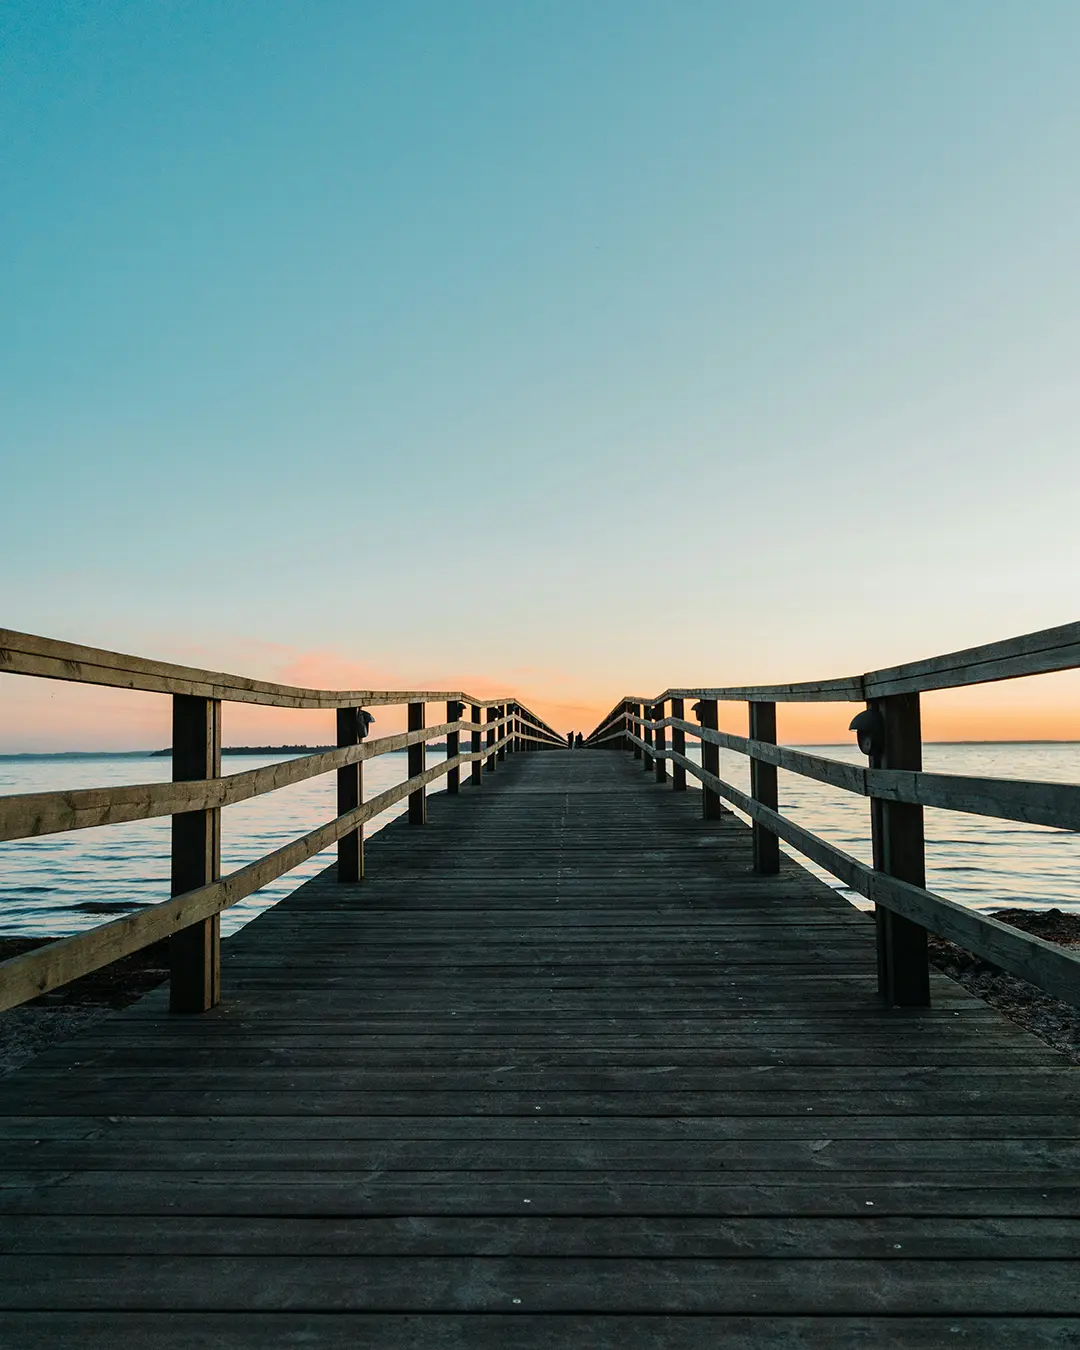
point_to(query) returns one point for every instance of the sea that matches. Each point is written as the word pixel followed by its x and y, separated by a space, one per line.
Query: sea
pixel 66 883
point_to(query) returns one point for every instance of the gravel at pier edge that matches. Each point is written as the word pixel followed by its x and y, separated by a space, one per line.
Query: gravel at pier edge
pixel 32 1028
pixel 1051 1019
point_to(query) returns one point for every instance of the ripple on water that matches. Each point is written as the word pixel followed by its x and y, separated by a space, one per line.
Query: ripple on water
pixel 68 883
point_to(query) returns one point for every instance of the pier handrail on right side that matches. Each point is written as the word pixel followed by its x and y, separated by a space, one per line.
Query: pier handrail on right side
pixel 894 782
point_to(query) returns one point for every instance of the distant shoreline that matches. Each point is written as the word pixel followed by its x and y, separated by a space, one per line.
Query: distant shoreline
pixel 432 745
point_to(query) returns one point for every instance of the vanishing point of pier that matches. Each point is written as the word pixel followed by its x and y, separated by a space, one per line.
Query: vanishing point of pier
pixel 568 1055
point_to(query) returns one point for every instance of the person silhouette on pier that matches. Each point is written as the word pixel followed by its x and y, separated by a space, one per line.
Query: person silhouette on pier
pixel 569 740
pixel 578 742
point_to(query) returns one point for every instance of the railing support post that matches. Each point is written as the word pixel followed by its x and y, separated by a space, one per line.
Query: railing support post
pixel 678 745
pixel 635 709
pixel 501 713
pixel 489 762
pixel 660 743
pixel 453 745
pixel 417 759
pixel 350 788
pixel 899 851
pixel 195 952
pixel 710 758
pixel 763 788
pixel 476 773
pixel 647 737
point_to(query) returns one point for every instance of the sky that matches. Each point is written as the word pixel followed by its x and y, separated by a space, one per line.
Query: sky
pixel 562 349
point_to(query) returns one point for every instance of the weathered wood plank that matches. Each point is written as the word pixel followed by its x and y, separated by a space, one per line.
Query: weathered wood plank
pixel 563 1046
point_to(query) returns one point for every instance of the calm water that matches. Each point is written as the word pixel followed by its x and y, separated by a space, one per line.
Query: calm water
pixel 61 884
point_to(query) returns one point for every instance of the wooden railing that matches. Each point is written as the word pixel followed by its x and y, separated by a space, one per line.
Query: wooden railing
pixel 198 792
pixel 894 782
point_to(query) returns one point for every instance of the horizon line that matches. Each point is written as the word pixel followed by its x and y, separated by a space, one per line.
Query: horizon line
pixel 45 754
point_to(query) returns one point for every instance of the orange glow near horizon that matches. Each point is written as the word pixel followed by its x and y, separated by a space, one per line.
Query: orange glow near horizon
pixel 53 715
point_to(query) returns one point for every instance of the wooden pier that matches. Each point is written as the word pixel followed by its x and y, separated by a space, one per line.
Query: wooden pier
pixel 567 1055
pixel 561 1071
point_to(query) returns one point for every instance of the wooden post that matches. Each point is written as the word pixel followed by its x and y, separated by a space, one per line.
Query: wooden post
pixel 635 709
pixel 661 743
pixel 453 745
pixel 477 771
pixel 899 850
pixel 646 736
pixel 350 789
pixel 489 762
pixel 763 788
pixel 500 713
pixel 678 745
pixel 710 759
pixel 195 952
pixel 417 759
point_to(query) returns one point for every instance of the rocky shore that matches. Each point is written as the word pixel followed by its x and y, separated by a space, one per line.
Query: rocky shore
pixel 1052 1020
pixel 32 1028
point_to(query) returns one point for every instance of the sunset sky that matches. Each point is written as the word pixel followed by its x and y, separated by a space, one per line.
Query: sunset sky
pixel 567 349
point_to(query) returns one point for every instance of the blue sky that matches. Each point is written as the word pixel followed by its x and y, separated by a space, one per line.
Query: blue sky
pixel 449 339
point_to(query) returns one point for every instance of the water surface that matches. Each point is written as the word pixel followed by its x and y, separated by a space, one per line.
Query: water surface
pixel 65 883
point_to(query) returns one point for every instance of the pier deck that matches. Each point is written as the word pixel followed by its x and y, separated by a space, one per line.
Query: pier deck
pixel 561 1071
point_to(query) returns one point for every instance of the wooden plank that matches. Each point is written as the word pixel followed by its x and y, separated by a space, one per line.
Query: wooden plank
pixel 660 742
pixel 899 851
pixel 1034 803
pixel 421 1283
pixel 477 772
pixel 418 797
pixel 678 744
pixel 454 1331
pixel 47 658
pixel 569 1050
pixel 27 815
pixel 195 950
pixel 1039 653
pixel 350 793
pixel 763 789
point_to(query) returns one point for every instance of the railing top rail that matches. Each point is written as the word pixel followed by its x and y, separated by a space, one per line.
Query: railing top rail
pixel 1050 649
pixel 48 658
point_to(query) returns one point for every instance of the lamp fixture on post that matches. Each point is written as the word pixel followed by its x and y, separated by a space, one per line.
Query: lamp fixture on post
pixel 869 729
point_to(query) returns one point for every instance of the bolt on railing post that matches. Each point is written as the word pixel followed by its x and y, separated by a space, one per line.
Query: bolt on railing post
pixel 350 789
pixel 707 717
pixel 660 742
pixel 635 708
pixel 763 788
pixel 489 761
pixel 195 952
pixel 453 744
pixel 476 773
pixel 417 759
pixel 678 745
pixel 500 712
pixel 900 851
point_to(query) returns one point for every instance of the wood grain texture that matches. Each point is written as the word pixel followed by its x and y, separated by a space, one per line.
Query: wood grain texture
pixel 562 1071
